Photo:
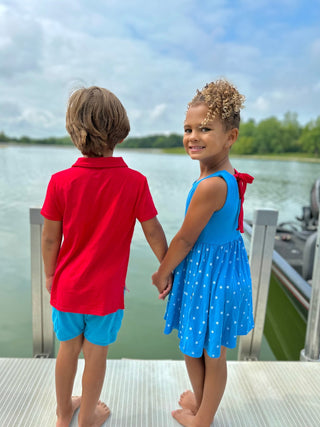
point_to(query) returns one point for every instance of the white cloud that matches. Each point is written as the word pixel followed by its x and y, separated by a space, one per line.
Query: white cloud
pixel 158 111
pixel 153 56
pixel 261 105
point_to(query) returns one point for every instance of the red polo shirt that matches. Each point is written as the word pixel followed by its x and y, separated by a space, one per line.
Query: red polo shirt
pixel 98 201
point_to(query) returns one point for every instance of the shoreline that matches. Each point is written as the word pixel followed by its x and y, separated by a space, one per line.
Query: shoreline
pixel 291 157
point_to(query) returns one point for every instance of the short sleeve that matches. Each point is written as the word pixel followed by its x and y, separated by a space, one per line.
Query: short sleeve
pixel 145 208
pixel 51 208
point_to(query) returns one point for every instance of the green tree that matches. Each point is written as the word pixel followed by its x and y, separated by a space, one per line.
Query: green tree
pixel 310 138
pixel 291 132
pixel 4 137
pixel 268 136
pixel 246 141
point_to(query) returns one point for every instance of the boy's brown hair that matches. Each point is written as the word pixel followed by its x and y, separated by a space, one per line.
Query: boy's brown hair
pixel 96 120
pixel 223 101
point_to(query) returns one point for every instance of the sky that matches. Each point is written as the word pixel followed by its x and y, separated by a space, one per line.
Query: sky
pixel 154 55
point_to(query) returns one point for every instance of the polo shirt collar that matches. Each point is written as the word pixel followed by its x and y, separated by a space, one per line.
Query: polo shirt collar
pixel 100 162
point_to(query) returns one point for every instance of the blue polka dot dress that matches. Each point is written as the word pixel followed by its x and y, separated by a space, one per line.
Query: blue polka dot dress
pixel 211 299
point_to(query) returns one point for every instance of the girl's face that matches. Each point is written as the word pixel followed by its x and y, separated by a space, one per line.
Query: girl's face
pixel 205 142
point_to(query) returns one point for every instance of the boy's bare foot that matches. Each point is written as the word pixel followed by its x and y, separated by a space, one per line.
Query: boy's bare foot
pixel 64 421
pixel 188 401
pixel 185 417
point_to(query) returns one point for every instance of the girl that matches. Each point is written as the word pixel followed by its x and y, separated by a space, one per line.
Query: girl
pixel 211 300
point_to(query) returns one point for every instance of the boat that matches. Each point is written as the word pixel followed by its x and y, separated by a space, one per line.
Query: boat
pixel 295 241
pixel 291 281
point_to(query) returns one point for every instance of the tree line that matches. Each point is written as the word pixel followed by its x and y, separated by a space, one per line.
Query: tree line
pixel 268 136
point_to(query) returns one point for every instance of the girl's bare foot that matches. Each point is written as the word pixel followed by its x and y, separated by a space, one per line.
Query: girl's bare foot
pixel 64 421
pixel 188 401
pixel 185 417
pixel 101 414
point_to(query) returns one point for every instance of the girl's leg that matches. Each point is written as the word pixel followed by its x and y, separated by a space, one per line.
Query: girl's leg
pixel 66 368
pixel 196 372
pixel 92 411
pixel 213 389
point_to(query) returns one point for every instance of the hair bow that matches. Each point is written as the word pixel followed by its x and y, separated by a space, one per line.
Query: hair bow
pixel 242 179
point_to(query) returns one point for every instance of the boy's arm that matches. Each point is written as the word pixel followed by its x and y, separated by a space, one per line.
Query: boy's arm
pixel 50 243
pixel 156 238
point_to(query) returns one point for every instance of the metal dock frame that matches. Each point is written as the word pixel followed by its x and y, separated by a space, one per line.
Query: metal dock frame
pixel 42 329
pixel 260 262
pixel 311 351
pixel 260 259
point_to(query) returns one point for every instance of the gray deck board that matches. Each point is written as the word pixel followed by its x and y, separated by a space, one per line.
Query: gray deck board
pixel 142 393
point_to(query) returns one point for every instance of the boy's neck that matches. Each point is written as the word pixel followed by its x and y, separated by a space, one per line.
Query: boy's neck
pixel 107 153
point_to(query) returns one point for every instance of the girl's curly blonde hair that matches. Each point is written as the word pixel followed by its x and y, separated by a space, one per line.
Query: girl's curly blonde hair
pixel 96 120
pixel 223 101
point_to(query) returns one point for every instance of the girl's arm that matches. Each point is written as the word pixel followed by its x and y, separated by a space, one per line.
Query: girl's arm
pixel 50 242
pixel 209 197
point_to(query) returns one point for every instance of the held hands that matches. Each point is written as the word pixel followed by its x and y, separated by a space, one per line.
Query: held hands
pixel 163 284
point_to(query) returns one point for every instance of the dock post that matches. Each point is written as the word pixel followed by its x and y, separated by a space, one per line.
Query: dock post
pixel 42 329
pixel 260 259
pixel 311 351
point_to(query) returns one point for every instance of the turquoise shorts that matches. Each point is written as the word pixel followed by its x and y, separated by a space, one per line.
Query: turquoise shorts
pixel 99 330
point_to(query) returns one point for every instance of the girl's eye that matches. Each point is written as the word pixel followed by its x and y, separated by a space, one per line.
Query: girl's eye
pixel 205 129
pixel 187 131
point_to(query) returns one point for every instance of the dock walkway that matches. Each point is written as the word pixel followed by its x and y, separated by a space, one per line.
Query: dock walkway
pixel 142 393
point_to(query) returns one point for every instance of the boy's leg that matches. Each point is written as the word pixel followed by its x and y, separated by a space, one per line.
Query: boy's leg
pixel 92 411
pixel 214 386
pixel 66 368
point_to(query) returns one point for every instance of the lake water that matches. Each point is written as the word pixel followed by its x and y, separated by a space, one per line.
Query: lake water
pixel 24 175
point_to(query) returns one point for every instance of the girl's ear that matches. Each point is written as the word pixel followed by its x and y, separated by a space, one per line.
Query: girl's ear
pixel 233 136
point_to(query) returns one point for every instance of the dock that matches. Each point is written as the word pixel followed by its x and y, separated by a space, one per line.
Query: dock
pixel 142 393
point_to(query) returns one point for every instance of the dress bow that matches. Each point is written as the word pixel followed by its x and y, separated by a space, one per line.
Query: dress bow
pixel 242 179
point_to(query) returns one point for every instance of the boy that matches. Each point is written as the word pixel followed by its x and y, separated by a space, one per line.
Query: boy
pixel 90 211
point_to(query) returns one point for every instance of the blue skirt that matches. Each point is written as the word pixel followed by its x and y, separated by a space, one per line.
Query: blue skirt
pixel 211 299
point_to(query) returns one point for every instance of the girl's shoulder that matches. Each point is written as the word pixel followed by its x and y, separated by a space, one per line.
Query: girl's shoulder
pixel 216 178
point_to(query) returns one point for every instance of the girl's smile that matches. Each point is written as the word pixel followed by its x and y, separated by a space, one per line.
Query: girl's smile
pixel 196 149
